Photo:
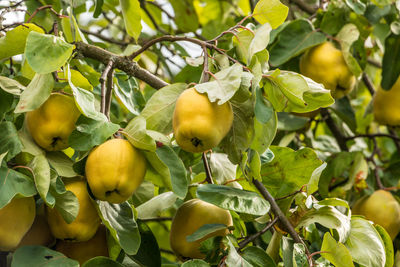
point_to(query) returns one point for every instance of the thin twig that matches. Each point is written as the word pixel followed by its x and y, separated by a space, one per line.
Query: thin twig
pixel 104 38
pixel 282 218
pixel 374 63
pixel 157 219
pixel 368 83
pixel 143 6
pixel 103 79
pixel 207 169
pixel 341 140
pixel 206 75
pixel 3 259
pixel 110 85
pixel 304 6
pixel 394 137
pixel 251 238
pixel 42 8
pixel 371 136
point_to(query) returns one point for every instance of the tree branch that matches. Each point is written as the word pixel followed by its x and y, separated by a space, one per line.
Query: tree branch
pixel 207 169
pixel 282 218
pixel 157 219
pixel 394 137
pixel 334 129
pixel 3 259
pixel 120 62
pixel 372 136
pixel 103 79
pixel 104 38
pixel 368 83
pixel 304 6
pixel 251 238
pixel 110 85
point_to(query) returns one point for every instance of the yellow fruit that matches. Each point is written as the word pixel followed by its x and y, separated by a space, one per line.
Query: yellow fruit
pixel 83 251
pixel 325 64
pixel 85 224
pixel 386 105
pixel 39 233
pixel 188 219
pixel 52 123
pixel 15 220
pixel 200 125
pixel 114 170
pixel 381 208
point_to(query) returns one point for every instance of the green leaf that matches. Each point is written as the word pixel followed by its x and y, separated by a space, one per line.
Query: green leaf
pixel 120 221
pixel 136 133
pixel 71 28
pixel 224 84
pixel 37 92
pixel 28 256
pixel 66 202
pixel 333 18
pixel 89 133
pixel 391 62
pixel 330 218
pixel 9 141
pixel 61 163
pixel 260 40
pixel 204 231
pixel 365 244
pixel 41 174
pixel 233 199
pixel 387 244
pixel 222 170
pixel 195 263
pixel 335 252
pixel 295 38
pixel 264 134
pixel 257 257
pixel 156 205
pixel 2 156
pixel 131 14
pixel 157 172
pixel 14 42
pixel 289 170
pixel 11 86
pixel 176 169
pixel 98 8
pixel 292 92
pixel 13 183
pixel 347 36
pixel 127 90
pixel 271 11
pixel 185 15
pixel 357 6
pixel 46 53
pixel 102 261
pixel 242 132
pixel 149 252
pixel 160 107
pixel 234 259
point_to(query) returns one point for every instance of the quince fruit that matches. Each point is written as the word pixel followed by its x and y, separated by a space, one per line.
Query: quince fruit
pixel 325 64
pixel 15 220
pixel 188 219
pixel 52 123
pixel 85 224
pixel 381 208
pixel 386 105
pixel 114 170
pixel 39 234
pixel 199 124
pixel 84 251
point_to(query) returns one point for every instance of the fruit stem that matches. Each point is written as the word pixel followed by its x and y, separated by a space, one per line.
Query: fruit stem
pixel 3 259
pixel 207 169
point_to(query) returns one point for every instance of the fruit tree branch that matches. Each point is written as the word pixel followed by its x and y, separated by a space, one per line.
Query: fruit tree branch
pixel 120 62
pixel 282 218
pixel 334 129
pixel 394 137
pixel 251 238
pixel 207 169
pixel 110 85
pixel 103 79
pixel 368 83
pixel 304 6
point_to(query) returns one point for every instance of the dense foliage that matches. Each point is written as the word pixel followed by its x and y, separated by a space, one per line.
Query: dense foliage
pixel 287 137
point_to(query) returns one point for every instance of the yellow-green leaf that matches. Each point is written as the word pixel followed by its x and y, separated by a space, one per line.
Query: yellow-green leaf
pixel 271 11
pixel 132 18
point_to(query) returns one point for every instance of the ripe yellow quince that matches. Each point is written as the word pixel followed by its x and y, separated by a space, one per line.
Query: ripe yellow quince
pixel 325 64
pixel 381 208
pixel 39 234
pixel 15 220
pixel 386 105
pixel 114 170
pixel 199 124
pixel 84 251
pixel 52 123
pixel 188 219
pixel 85 224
